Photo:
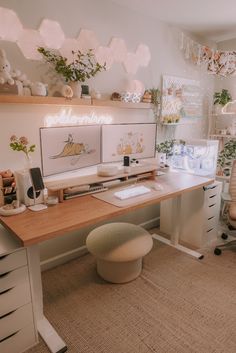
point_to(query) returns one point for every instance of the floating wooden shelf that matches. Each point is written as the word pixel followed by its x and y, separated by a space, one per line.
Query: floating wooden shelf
pixel 224 114
pixel 223 136
pixel 14 99
pixel 43 100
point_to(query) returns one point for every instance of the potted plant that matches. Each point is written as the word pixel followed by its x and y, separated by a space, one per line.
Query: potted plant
pixel 226 157
pixel 83 67
pixel 167 148
pixel 22 144
pixel 221 98
pixel 155 95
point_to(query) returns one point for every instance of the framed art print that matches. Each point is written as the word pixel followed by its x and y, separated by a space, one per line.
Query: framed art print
pixel 135 140
pixel 68 148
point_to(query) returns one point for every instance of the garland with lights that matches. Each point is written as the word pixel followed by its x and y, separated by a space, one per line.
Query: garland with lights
pixel 218 62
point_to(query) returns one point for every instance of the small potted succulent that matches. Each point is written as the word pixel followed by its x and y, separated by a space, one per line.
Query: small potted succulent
pixel 221 99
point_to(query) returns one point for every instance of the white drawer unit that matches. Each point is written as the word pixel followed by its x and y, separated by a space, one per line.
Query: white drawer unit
pixel 11 261
pixel 12 321
pixel 19 341
pixel 200 211
pixel 17 324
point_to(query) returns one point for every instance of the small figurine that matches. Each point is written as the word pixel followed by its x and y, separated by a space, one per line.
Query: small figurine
pixel 147 97
pixel 38 89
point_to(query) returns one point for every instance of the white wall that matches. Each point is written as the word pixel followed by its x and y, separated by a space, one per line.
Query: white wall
pixel 106 19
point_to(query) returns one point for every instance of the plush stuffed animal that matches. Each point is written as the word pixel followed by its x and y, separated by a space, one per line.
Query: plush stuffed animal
pixel 5 69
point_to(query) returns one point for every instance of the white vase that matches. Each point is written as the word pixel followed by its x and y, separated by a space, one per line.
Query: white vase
pixel 76 88
pixel 27 163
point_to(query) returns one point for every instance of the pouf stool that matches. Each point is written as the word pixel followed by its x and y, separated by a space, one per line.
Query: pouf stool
pixel 119 248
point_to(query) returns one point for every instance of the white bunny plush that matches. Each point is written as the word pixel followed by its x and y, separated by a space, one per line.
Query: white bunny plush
pixel 5 69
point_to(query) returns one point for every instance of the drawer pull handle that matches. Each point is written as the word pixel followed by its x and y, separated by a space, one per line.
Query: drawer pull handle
pixel 6 338
pixel 212 196
pixel 3 257
pixel 212 205
pixel 209 187
pixel 209 230
pixel 5 291
pixel 210 218
pixel 4 274
pixel 7 314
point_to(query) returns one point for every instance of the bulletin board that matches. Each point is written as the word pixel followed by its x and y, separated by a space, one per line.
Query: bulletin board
pixel 181 99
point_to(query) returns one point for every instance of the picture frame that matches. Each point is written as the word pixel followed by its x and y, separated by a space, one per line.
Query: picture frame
pixel 68 148
pixel 135 140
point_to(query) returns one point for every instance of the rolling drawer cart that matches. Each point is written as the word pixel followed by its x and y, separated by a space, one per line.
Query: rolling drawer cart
pixel 17 324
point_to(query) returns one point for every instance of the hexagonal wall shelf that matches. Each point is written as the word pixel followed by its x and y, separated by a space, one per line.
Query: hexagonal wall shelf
pixel 87 40
pixel 10 25
pixel 52 34
pixel 119 49
pixel 28 43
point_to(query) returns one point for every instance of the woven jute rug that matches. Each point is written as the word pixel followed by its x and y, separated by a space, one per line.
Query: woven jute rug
pixel 178 305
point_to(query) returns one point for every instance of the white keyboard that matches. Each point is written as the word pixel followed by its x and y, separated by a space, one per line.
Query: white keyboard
pixel 131 192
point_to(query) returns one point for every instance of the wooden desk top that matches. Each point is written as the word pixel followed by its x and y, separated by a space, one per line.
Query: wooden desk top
pixel 34 227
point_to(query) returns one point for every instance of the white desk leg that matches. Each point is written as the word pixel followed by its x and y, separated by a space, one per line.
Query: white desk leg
pixel 45 329
pixel 176 221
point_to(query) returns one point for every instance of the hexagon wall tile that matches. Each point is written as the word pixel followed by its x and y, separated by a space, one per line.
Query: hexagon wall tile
pixel 135 86
pixel 67 47
pixel 104 55
pixel 10 25
pixel 131 63
pixel 28 43
pixel 52 34
pixel 143 54
pixel 119 49
pixel 87 40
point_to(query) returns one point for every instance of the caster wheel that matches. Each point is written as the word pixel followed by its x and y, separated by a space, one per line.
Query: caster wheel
pixel 230 227
pixel 224 236
pixel 217 251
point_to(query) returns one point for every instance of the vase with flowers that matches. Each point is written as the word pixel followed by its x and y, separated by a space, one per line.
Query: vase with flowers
pixel 83 67
pixel 22 144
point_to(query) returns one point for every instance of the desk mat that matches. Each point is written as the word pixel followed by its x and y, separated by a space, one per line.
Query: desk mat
pixel 108 196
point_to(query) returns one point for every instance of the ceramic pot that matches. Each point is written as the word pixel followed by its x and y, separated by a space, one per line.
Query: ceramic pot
pixel 76 88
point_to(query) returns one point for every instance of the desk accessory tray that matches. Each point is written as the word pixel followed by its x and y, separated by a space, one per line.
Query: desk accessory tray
pixel 13 211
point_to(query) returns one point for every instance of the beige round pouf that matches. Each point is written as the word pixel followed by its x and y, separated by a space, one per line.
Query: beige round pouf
pixel 119 248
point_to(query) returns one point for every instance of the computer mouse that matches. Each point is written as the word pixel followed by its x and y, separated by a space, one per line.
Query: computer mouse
pixel 158 186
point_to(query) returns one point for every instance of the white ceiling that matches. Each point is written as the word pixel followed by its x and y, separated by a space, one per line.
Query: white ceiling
pixel 214 19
